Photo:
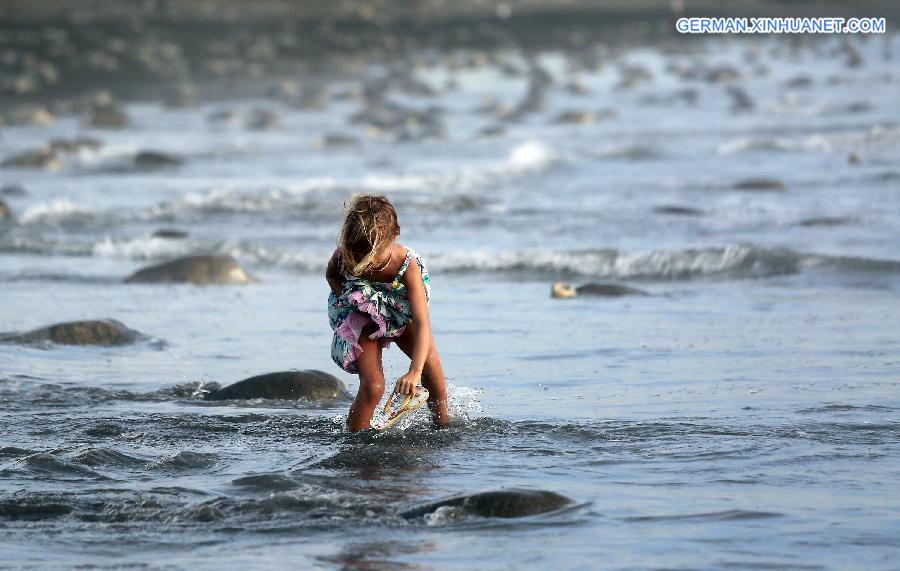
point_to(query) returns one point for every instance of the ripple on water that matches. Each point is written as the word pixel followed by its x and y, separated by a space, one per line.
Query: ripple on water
pixel 96 457
pixel 274 482
pixel 46 466
pixel 846 408
pixel 102 429
pixel 32 508
pixel 726 515
pixel 186 460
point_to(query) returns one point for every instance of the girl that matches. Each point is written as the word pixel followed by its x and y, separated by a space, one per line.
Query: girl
pixel 379 293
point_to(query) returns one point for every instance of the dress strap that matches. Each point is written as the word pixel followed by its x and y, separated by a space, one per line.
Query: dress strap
pixel 409 254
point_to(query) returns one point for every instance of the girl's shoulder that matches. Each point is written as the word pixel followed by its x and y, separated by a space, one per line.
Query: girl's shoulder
pixel 410 253
pixel 410 256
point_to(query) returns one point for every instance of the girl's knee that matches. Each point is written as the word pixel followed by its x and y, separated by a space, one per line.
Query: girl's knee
pixel 371 391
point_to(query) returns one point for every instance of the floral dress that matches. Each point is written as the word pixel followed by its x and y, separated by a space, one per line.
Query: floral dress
pixel 363 302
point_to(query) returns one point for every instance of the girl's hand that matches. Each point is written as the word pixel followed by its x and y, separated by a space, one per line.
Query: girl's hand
pixel 406 385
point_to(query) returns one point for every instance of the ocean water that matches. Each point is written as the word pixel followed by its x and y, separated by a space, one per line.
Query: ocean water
pixel 743 415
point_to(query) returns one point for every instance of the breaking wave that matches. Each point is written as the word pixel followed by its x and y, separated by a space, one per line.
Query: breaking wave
pixel 453 189
pixel 728 262
pixel 55 211
pixel 815 142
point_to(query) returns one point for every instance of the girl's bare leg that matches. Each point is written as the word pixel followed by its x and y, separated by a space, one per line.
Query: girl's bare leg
pixel 432 376
pixel 371 383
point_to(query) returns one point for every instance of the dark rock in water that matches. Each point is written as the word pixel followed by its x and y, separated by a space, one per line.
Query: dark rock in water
pixel 194 269
pixel 13 190
pixel 632 76
pixel 886 176
pixel 508 503
pixel 311 385
pixel 62 146
pixel 562 290
pixel 799 82
pixel 47 157
pixel 30 115
pixel 74 145
pixel 688 96
pixel 854 57
pixel 853 159
pixel 741 102
pixel 760 184
pixel 606 113
pixel 492 131
pixel 858 107
pixel 577 87
pixel 491 106
pixel 608 290
pixel 286 90
pixel 224 116
pixel 5 212
pixel 154 159
pixel 99 332
pixel 678 210
pixel 25 84
pixel 170 234
pixel 575 117
pixel 42 158
pixel 181 95
pixel 262 120
pixel 351 94
pixel 461 203
pixel 825 221
pixel 337 140
pixel 312 98
pixel 724 74
pixel 106 117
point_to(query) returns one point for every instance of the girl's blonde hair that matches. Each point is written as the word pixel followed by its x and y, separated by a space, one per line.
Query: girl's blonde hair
pixel 370 224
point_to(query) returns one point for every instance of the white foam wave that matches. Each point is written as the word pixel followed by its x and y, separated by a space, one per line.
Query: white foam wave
pixel 747 144
pixel 142 248
pixel 300 260
pixel 529 156
pixel 44 246
pixel 730 261
pixel 304 195
pixel 607 263
pixel 229 200
pixel 445 515
pixel 815 142
pixel 54 211
pixel 120 154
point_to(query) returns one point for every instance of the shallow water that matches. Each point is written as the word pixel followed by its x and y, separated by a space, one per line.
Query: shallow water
pixel 743 415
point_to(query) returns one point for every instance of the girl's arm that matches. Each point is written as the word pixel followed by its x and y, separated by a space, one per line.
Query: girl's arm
pixel 333 273
pixel 412 279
